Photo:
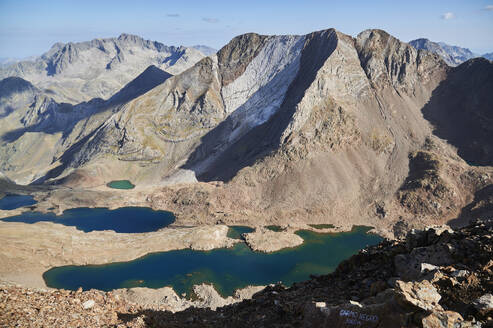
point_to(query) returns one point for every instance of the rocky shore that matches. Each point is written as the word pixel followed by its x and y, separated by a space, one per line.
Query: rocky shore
pixel 433 278
pixel 26 307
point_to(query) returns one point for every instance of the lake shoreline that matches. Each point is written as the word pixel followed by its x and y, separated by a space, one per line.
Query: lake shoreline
pixel 45 245
pixel 182 269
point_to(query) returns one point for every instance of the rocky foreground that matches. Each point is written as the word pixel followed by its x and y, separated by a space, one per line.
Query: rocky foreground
pixel 433 278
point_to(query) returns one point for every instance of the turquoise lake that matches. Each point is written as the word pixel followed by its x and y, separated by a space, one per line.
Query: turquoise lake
pixel 121 184
pixel 227 269
pixel 122 220
pixel 11 202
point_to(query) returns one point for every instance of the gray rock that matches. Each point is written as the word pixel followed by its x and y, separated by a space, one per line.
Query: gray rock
pixel 88 304
pixel 426 267
pixel 484 304
pixel 419 294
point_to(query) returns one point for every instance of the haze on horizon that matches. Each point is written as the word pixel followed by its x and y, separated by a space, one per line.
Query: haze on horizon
pixel 30 28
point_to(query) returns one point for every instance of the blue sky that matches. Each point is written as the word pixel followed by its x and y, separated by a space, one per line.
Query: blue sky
pixel 30 27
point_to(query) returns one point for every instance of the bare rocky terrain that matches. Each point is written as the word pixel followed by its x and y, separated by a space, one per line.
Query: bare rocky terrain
pixel 287 130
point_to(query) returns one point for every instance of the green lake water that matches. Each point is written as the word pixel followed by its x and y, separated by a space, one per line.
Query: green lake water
pixel 227 268
pixel 122 220
pixel 120 184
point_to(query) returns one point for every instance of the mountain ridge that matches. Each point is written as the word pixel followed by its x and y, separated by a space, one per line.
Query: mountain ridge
pixel 453 55
pixel 80 71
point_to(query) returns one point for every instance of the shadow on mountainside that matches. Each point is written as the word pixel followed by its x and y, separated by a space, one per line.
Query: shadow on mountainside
pixel 480 207
pixel 461 110
pixel 12 85
pixel 265 138
pixel 65 159
pixel 63 117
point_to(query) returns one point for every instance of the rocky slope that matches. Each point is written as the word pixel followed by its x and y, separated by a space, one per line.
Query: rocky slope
pixel 77 72
pixel 39 129
pixel 433 278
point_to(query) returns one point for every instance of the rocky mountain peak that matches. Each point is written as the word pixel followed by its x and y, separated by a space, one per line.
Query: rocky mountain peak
pixel 54 48
pixel 129 37
pixel 237 54
pixel 387 60
pixel 452 55
pixel 268 114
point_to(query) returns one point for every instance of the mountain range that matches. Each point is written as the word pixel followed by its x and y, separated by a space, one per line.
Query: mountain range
pixel 452 55
pixel 76 72
pixel 344 130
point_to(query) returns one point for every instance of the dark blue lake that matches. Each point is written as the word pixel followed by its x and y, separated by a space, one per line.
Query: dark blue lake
pixel 228 269
pixel 11 202
pixel 123 220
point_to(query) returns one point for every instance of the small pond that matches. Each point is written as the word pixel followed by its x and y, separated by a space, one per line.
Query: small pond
pixel 120 184
pixel 122 220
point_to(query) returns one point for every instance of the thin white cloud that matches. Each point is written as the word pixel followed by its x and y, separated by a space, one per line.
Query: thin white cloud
pixel 489 7
pixel 210 20
pixel 173 15
pixel 448 15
